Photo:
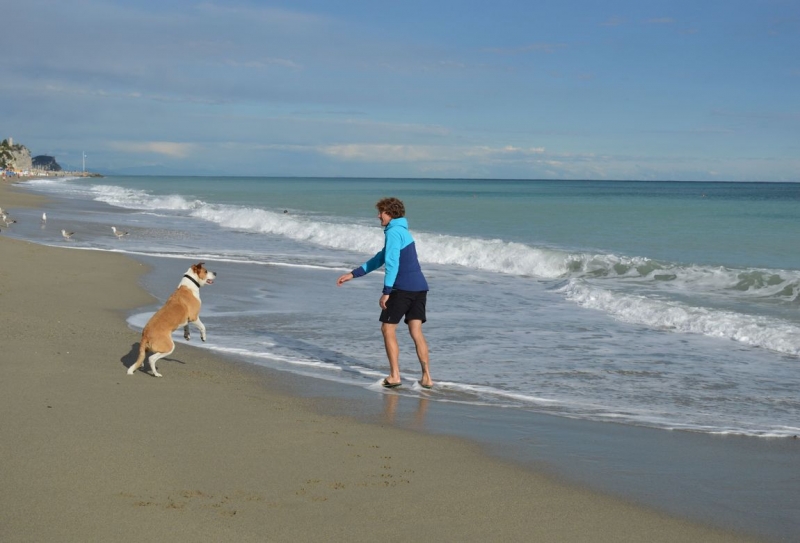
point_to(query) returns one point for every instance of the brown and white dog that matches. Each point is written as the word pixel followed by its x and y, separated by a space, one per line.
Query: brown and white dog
pixel 181 309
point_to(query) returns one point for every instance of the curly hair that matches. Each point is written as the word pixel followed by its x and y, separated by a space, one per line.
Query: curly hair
pixel 391 206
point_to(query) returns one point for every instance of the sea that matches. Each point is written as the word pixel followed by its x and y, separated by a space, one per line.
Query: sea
pixel 637 337
pixel 669 305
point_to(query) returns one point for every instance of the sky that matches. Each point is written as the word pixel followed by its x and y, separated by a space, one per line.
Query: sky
pixel 570 89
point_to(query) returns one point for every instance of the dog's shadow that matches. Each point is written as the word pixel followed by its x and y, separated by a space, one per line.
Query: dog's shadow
pixel 129 359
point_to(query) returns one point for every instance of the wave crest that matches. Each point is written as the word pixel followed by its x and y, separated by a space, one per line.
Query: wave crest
pixel 754 330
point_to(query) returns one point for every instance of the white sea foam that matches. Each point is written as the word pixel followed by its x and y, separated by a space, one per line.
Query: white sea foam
pixel 299 228
pixel 267 355
pixel 49 181
pixel 758 331
pixel 58 184
pixel 481 254
pixel 139 199
pixel 493 255
pixel 499 256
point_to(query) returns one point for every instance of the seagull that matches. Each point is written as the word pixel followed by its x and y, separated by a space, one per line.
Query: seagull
pixel 67 235
pixel 44 218
pixel 6 219
pixel 119 235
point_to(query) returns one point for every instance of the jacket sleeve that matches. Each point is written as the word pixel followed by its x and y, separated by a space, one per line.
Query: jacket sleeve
pixel 394 242
pixel 370 265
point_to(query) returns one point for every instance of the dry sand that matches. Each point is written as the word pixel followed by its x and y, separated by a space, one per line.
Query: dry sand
pixel 214 451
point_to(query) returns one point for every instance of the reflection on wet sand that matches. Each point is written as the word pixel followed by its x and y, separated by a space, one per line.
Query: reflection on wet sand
pixel 391 405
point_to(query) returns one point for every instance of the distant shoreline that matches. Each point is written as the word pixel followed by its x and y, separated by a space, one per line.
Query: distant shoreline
pixel 38 174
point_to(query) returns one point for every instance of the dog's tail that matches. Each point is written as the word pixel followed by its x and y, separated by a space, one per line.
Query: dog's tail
pixel 139 361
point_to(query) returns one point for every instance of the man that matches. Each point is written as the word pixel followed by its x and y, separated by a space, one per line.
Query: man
pixel 405 289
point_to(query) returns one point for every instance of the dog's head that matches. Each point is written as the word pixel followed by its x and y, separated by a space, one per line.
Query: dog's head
pixel 201 274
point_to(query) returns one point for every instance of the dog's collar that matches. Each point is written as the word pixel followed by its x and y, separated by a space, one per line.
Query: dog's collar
pixel 190 278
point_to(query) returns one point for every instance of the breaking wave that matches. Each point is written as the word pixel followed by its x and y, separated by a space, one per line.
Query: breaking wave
pixel 633 289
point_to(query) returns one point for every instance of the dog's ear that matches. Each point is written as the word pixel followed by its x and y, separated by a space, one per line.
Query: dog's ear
pixel 197 267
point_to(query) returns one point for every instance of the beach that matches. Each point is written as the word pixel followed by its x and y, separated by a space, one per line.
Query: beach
pixel 217 450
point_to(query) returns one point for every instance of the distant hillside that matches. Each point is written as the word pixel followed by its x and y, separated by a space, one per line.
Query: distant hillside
pixel 14 155
pixel 47 163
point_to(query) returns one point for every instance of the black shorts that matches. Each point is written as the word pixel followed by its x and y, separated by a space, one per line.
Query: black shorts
pixel 403 303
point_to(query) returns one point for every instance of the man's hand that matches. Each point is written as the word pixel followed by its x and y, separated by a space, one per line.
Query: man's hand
pixel 382 301
pixel 344 279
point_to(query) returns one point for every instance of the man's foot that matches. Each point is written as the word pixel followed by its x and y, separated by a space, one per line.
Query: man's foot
pixel 423 385
pixel 387 384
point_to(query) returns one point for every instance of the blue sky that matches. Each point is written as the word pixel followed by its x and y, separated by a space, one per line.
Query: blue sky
pixel 574 89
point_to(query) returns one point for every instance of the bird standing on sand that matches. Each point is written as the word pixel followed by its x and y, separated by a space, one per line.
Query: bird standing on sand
pixel 117 233
pixel 67 235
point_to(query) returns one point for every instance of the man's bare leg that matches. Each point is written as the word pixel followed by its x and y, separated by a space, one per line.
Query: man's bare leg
pixel 415 329
pixel 392 351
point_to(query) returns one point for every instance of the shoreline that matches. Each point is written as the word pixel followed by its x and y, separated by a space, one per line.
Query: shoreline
pixel 218 450
pixel 18 177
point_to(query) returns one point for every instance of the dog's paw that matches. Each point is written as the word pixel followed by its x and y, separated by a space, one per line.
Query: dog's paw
pixel 156 374
pixel 203 338
pixel 187 337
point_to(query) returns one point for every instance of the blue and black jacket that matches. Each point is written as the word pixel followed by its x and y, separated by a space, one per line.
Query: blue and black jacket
pixel 399 255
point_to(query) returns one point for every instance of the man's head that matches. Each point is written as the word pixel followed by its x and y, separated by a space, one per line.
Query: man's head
pixel 392 207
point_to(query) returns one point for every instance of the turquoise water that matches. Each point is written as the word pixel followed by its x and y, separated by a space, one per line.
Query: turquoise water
pixel 669 305
pixel 736 224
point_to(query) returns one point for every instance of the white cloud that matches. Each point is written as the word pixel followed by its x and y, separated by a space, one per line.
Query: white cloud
pixel 166 148
pixel 379 152
pixel 371 152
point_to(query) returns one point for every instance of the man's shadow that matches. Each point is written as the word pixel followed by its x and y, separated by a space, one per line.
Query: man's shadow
pixel 129 359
